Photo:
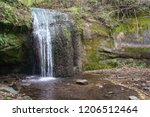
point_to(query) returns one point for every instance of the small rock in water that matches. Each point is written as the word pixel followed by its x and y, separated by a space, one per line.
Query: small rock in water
pixel 110 92
pixel 133 98
pixel 99 85
pixel 82 82
pixel 122 89
pixel 68 84
pixel 143 84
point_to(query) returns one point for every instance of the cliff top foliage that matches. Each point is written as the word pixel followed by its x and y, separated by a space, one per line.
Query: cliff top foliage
pixel 102 10
pixel 14 13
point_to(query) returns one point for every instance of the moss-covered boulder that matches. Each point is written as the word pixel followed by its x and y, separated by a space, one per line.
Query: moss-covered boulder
pixel 15 26
pixel 13 53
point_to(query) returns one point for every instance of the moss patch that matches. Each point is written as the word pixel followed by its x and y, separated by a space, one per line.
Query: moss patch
pixel 133 25
pixel 99 29
pixel 30 2
pixel 67 36
pixel 14 14
pixel 95 58
pixel 11 48
pixel 135 50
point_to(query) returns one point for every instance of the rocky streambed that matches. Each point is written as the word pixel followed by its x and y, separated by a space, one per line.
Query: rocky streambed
pixel 10 88
pixel 112 84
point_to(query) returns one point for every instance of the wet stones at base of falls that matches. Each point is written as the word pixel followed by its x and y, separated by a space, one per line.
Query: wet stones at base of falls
pixel 81 82
pixel 133 98
pixel 9 93
pixel 25 83
pixel 9 89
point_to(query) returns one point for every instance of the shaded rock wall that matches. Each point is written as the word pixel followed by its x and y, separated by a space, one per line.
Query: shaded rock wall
pixel 66 51
pixel 15 26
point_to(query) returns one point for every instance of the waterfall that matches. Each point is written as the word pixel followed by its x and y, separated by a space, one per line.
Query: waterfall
pixel 43 35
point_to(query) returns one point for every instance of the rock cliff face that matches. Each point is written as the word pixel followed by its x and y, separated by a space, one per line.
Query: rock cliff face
pixel 108 38
pixel 66 47
pixel 114 39
pixel 56 43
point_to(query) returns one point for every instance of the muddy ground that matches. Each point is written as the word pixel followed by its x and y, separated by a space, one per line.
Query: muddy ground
pixel 113 84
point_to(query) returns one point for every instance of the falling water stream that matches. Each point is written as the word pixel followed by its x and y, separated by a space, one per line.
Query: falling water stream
pixel 44 21
pixel 42 31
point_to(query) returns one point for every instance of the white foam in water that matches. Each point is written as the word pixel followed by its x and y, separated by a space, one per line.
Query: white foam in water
pixel 31 77
pixel 35 79
pixel 44 79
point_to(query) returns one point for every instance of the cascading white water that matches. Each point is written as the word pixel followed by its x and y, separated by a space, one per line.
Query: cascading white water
pixel 44 32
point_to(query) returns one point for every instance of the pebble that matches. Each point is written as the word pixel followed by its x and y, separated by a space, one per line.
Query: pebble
pixel 147 88
pixel 122 89
pixel 143 84
pixel 133 98
pixel 68 84
pixel 81 82
pixel 99 85
pixel 110 92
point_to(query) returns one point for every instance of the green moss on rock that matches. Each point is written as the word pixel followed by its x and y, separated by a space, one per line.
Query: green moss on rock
pixel 67 35
pixel 99 29
pixel 95 58
pixel 11 48
pixel 133 25
pixel 137 50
